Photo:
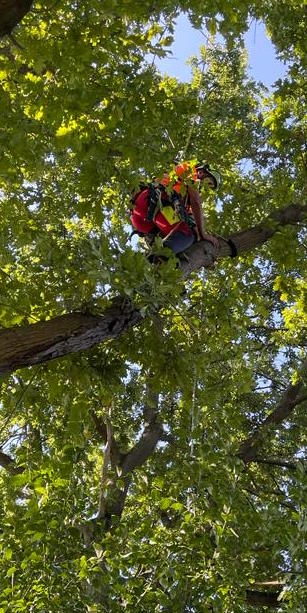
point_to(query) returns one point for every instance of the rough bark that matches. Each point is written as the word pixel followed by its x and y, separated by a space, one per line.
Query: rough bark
pixel 291 398
pixel 37 343
pixel 262 599
pixel 11 13
pixel 70 333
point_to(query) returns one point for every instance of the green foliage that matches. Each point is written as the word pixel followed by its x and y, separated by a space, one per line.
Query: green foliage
pixel 84 114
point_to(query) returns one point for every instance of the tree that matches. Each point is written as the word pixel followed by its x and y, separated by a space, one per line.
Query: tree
pixel 162 469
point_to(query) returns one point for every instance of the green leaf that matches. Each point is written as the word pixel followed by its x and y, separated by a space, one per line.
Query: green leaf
pixel 165 503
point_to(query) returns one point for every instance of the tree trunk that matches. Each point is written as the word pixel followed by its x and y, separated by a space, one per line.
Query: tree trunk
pixel 11 13
pixel 73 332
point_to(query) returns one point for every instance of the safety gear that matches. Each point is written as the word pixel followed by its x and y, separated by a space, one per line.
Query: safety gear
pixel 153 208
pixel 166 202
pixel 217 177
pixel 213 174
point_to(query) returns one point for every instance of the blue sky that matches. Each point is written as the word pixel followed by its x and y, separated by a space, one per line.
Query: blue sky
pixel 264 65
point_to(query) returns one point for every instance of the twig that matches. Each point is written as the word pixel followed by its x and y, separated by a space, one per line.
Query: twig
pixel 23 392
pixel 15 42
pixel 105 471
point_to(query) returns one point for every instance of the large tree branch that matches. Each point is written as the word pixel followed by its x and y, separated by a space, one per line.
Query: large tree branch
pixel 291 398
pixel 256 598
pixel 73 332
pixel 275 462
pixel 9 464
pixel 11 13
pixel 62 335
pixel 113 504
pixel 245 240
pixel 152 434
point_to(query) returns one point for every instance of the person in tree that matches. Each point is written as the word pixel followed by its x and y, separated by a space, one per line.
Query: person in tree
pixel 172 207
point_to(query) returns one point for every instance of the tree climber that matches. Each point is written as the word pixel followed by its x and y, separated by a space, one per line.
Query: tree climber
pixel 171 207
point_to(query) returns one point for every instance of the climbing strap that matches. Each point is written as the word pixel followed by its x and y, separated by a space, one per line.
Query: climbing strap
pixel 154 201
pixel 174 200
pixel 233 247
pixel 179 205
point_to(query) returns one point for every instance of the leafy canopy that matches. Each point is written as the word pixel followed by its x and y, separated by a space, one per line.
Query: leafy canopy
pixel 123 485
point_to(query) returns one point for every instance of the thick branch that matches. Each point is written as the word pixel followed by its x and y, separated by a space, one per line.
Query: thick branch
pixel 262 599
pixel 245 240
pixel 9 464
pixel 150 437
pixel 275 462
pixel 136 457
pixel 62 335
pixel 11 13
pixel 116 501
pixel 292 397
pixel 46 340
pixel 115 455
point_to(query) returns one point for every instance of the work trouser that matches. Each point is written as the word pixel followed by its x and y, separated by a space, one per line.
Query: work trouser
pixel 179 242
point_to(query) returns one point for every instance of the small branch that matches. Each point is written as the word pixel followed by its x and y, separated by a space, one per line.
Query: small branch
pixel 276 493
pixel 291 398
pixel 104 472
pixel 275 582
pixel 101 428
pixel 274 462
